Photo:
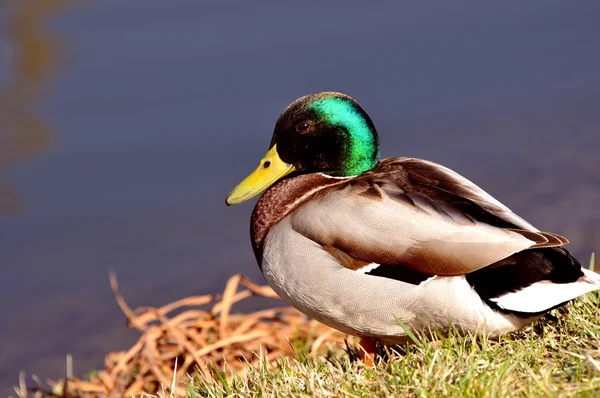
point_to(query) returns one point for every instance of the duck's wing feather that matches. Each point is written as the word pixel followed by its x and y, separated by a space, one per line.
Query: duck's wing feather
pixel 417 214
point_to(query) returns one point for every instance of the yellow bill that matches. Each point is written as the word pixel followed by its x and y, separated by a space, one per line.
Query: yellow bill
pixel 270 169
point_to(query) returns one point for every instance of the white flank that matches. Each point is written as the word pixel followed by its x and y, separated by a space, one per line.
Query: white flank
pixel 426 281
pixel 544 295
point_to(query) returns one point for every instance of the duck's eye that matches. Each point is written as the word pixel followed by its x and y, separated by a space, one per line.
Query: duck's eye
pixel 266 164
pixel 302 127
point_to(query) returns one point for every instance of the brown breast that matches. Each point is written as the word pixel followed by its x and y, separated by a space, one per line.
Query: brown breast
pixel 282 199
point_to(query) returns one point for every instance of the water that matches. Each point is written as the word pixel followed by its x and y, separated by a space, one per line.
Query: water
pixel 144 114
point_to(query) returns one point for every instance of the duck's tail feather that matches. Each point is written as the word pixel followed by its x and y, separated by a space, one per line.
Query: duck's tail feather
pixel 544 295
pixel 591 276
pixel 533 281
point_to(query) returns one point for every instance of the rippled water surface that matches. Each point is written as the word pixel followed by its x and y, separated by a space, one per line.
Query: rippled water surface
pixel 123 124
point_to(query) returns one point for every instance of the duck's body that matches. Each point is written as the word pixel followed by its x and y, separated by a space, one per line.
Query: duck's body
pixel 321 242
pixel 370 247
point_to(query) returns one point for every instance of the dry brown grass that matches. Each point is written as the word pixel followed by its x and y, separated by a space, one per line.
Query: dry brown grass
pixel 199 347
pixel 182 339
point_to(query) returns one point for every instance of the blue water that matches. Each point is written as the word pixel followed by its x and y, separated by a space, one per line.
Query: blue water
pixel 157 109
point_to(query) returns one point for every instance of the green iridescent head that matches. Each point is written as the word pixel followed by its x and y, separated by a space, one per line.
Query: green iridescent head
pixel 324 132
pixel 327 132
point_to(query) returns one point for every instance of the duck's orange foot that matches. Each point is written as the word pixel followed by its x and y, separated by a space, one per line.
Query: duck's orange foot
pixel 368 347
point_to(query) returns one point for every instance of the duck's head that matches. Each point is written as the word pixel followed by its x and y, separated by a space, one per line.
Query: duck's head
pixel 325 132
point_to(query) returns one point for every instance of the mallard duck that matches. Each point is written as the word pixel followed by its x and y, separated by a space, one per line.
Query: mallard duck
pixel 375 247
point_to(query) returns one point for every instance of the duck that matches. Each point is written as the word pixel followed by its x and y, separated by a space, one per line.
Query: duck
pixel 381 248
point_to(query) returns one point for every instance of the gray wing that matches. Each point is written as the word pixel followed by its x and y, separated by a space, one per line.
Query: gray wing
pixel 418 214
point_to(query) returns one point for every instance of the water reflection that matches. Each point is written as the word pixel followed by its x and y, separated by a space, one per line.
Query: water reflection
pixel 34 57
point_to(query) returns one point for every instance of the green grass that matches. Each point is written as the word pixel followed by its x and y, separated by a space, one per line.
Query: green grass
pixel 558 356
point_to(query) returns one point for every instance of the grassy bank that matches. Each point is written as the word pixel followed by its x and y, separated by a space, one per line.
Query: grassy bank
pixel 559 356
pixel 280 353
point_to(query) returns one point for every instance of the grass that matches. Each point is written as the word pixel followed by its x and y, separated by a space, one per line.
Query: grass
pixel 185 350
pixel 558 356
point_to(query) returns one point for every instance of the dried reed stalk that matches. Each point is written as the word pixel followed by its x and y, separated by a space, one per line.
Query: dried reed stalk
pixel 197 341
